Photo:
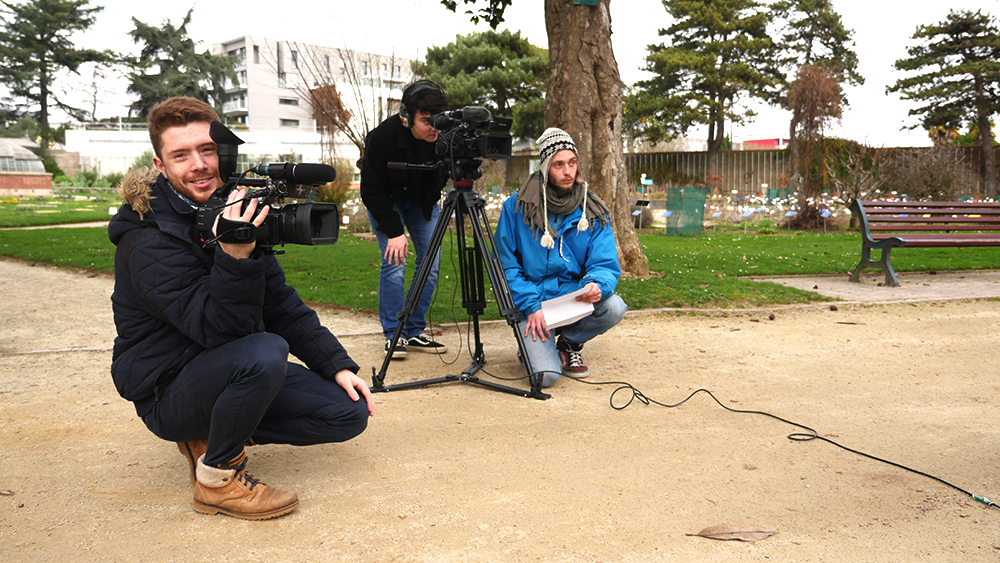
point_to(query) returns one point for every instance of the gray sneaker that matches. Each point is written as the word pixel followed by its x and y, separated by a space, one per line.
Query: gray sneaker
pixel 398 351
pixel 421 343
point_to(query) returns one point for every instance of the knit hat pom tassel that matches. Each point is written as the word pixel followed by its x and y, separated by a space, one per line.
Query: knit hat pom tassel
pixel 584 224
pixel 547 241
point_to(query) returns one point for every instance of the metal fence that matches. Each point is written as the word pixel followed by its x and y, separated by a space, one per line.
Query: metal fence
pixel 757 172
pixel 745 172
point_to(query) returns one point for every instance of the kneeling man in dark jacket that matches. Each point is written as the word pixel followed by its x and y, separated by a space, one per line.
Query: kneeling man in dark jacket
pixel 204 333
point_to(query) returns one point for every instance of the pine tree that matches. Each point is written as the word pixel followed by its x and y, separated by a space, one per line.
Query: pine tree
pixel 955 75
pixel 36 44
pixel 500 71
pixel 812 34
pixel 719 52
pixel 169 65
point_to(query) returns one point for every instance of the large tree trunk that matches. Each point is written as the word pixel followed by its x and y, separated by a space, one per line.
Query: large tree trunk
pixel 584 98
pixel 793 147
pixel 716 134
pixel 43 113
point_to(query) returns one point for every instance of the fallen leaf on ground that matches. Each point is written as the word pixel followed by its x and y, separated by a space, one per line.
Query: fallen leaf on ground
pixel 727 532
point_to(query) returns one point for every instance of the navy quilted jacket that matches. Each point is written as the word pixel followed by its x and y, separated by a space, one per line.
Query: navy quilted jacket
pixel 174 299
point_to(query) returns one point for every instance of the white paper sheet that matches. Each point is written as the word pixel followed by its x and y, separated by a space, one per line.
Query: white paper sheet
pixel 565 309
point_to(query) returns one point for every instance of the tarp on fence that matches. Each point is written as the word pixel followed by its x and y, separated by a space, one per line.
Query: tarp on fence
pixel 687 207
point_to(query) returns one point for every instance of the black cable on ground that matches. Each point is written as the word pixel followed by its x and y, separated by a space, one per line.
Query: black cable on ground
pixel 809 434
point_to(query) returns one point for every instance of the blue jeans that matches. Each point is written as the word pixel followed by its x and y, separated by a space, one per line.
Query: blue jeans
pixel 390 282
pixel 544 357
pixel 247 389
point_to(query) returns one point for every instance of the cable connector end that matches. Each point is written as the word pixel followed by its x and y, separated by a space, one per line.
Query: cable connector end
pixel 985 501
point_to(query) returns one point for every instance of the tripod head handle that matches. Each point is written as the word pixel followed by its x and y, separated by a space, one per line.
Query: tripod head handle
pixel 408 166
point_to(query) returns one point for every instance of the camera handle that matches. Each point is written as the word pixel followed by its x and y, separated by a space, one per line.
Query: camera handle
pixel 464 201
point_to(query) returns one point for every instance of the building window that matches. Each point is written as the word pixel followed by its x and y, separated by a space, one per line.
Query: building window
pixel 242 78
pixel 326 63
pixel 385 69
pixel 364 68
pixel 256 54
pixel 295 59
pixel 398 72
pixel 342 69
pixel 288 101
pixel 289 122
pixel 240 54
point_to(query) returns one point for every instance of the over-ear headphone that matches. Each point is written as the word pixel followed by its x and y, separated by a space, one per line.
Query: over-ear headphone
pixel 413 90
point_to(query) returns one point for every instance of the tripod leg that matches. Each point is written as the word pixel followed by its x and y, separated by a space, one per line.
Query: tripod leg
pixel 487 251
pixel 417 285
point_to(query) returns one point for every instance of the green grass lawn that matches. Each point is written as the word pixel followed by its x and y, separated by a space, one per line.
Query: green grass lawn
pixel 708 270
pixel 28 211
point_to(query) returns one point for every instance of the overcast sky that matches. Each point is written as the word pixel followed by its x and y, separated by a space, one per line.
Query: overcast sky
pixel 882 32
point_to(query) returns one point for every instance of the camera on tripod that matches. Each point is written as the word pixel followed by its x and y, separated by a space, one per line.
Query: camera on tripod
pixel 460 139
pixel 314 223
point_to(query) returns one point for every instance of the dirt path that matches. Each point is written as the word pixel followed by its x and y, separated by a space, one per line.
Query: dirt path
pixel 456 473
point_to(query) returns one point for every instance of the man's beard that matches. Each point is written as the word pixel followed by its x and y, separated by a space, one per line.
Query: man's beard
pixel 560 191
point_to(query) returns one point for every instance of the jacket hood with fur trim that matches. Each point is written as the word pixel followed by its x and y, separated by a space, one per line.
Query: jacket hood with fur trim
pixel 150 202
pixel 136 188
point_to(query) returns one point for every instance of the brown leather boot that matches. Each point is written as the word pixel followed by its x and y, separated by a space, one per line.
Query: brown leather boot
pixel 192 451
pixel 231 490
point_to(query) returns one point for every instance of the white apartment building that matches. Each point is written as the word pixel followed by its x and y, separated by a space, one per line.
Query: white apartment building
pixel 269 106
pixel 276 81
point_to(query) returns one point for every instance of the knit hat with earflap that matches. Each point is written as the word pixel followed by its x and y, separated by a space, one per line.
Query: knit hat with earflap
pixel 551 142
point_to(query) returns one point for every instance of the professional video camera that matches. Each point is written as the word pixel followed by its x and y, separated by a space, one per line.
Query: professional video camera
pixel 460 143
pixel 306 223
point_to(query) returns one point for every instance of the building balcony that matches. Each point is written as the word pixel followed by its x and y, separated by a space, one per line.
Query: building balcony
pixel 235 107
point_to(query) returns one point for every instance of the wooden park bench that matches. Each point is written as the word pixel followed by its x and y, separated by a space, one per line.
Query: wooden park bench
pixel 889 224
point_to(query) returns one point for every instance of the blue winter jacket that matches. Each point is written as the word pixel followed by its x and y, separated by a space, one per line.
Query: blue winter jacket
pixel 535 273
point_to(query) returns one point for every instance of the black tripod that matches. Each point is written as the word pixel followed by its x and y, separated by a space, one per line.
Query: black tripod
pixel 464 201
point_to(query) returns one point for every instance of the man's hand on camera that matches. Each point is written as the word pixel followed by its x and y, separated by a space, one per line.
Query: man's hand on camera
pixel 593 294
pixel 536 327
pixel 352 384
pixel 395 251
pixel 233 212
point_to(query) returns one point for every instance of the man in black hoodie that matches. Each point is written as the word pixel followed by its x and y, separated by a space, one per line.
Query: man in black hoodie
pixel 401 201
pixel 204 333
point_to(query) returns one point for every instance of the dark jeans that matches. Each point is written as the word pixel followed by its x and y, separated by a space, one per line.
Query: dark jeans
pixel 248 389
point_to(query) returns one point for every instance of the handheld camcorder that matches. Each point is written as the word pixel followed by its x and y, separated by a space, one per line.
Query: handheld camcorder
pixel 306 223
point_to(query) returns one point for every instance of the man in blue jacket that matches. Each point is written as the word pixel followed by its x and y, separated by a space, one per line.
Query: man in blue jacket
pixel 204 332
pixel 554 237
